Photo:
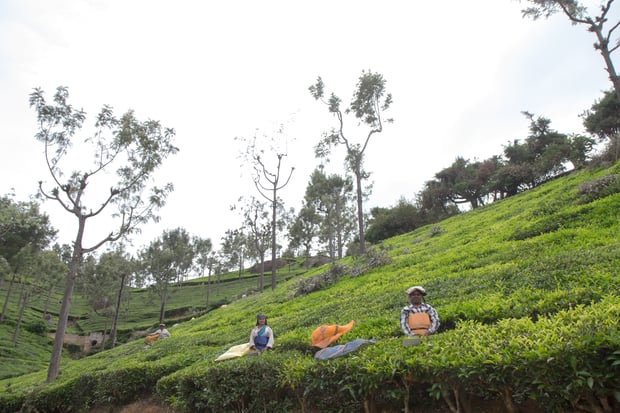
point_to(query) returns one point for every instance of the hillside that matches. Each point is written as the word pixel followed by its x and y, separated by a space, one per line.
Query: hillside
pixel 526 288
pixel 139 314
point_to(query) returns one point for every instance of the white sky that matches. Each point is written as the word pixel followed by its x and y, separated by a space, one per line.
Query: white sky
pixel 460 73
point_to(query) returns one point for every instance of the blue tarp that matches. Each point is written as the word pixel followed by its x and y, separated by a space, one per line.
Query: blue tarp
pixel 342 349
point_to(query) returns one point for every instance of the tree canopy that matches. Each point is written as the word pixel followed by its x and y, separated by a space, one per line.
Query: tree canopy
pixel 125 147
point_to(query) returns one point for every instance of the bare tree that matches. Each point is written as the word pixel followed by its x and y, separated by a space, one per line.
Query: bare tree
pixel 577 13
pixel 133 149
pixel 369 102
pixel 256 221
pixel 268 182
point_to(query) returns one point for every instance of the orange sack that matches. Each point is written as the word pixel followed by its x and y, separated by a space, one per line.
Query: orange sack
pixel 327 334
pixel 150 339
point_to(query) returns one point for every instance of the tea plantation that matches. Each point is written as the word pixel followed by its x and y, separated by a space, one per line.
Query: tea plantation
pixel 527 289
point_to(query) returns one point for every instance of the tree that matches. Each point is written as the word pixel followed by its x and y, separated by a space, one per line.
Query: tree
pixel 304 228
pixel 213 266
pixel 577 13
pixel 50 271
pixel 330 196
pixel 268 182
pixel 463 182
pixel 166 260
pixel 368 104
pixel 389 222
pixel 436 197
pixel 123 147
pixel 603 121
pixel 233 249
pixel 106 280
pixel 203 252
pixel 256 221
pixel 540 157
pixel 24 231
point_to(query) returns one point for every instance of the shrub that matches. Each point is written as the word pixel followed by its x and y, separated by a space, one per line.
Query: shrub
pixel 599 188
pixel 38 327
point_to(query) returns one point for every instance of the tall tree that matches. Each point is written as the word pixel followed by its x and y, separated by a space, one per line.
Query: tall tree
pixel 369 102
pixel 203 247
pixel 233 249
pixel 128 268
pixel 168 259
pixel 256 222
pixel 331 196
pixel 304 228
pixel 268 180
pixel 24 230
pixel 107 280
pixel 51 270
pixel 123 147
pixel 577 13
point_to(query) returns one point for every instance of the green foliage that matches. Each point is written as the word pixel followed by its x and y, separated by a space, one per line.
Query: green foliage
pixel 38 327
pixel 599 188
pixel 525 319
pixel 387 223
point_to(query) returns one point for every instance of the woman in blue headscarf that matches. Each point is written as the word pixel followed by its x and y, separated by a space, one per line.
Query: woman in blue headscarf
pixel 261 336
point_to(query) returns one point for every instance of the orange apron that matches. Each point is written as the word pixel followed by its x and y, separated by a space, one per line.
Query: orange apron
pixel 419 323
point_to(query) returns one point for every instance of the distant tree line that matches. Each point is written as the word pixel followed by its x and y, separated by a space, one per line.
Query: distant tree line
pixel 543 155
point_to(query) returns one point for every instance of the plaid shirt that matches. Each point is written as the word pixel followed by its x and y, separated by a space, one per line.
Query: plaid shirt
pixel 423 308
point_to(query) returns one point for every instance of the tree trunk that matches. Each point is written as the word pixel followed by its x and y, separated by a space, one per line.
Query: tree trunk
pixel 609 64
pixel 21 314
pixel 22 282
pixel 339 228
pixel 162 307
pixel 105 328
pixel 8 295
pixel 360 210
pixel 241 258
pixel 117 311
pixel 273 242
pixel 208 289
pixel 63 317
pixel 261 278
pixel 47 302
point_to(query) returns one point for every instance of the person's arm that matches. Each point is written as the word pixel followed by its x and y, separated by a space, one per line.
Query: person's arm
pixel 403 322
pixel 434 321
pixel 270 342
pixel 252 335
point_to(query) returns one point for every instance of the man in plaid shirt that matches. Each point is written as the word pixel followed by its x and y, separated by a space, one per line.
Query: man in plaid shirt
pixel 418 318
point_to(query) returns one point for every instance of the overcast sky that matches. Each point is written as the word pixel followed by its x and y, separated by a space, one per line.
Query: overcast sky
pixel 460 73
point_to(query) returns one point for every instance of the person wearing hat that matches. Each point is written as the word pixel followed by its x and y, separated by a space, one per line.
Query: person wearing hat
pixel 261 336
pixel 162 332
pixel 157 334
pixel 418 318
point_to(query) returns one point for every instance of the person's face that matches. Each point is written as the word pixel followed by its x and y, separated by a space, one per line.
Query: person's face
pixel 260 321
pixel 415 297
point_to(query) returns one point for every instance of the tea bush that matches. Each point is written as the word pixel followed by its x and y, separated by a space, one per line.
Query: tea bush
pixel 526 288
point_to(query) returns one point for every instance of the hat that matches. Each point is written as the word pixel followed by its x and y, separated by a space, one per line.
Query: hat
pixel 417 287
pixel 326 334
pixel 162 325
